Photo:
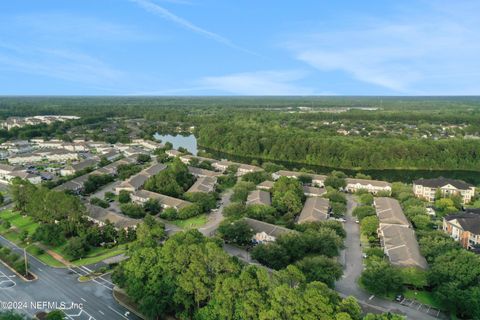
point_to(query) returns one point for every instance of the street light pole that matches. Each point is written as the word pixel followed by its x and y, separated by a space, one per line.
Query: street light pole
pixel 25 257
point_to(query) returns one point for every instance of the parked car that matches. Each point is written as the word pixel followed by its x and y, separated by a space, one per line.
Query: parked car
pixel 399 297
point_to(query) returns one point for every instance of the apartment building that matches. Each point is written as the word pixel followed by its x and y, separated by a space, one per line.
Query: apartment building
pixel 464 227
pixel 427 189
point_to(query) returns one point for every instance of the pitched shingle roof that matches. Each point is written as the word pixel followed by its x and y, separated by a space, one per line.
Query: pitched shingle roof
pixel 400 244
pixel 203 184
pixel 259 197
pixel 119 221
pixel 315 209
pixel 313 191
pixel 265 185
pixel 163 199
pixel 375 183
pixel 440 182
pixel 389 211
pixel 84 164
pixel 270 229
pixel 203 172
pixel 469 221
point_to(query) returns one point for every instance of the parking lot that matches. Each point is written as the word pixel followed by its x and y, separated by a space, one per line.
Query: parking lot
pixel 423 308
pixel 6 281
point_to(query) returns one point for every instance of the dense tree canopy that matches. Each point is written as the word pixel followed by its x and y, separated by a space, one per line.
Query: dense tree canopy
pixel 190 276
pixel 297 145
pixel 173 181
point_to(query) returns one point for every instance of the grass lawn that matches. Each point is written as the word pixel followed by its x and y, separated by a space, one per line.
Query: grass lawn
pixel 98 254
pixel 18 221
pixel 26 223
pixel 424 297
pixel 364 241
pixel 190 223
pixel 95 255
pixel 44 257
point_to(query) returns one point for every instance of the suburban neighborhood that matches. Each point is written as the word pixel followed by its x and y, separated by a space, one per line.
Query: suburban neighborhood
pixel 122 203
pixel 239 160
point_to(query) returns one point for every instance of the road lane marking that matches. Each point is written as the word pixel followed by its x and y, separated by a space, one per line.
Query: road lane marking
pixel 85 268
pixel 371 297
pixel 117 312
pixel 101 312
pixel 83 300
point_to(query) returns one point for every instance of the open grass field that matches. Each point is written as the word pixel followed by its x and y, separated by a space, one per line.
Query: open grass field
pixel 193 222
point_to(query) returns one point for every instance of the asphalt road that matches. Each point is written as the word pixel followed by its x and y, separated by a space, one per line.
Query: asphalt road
pixel 353 266
pixel 91 300
pixel 216 217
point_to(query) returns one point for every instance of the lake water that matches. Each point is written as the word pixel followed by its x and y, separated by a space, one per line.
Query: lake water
pixel 392 175
pixel 188 142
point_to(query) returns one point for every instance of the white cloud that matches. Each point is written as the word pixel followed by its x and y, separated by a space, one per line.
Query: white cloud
pixel 257 83
pixel 167 15
pixel 428 52
pixel 64 26
pixel 60 64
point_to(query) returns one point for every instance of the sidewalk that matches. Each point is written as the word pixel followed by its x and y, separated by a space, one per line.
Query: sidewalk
pixel 55 255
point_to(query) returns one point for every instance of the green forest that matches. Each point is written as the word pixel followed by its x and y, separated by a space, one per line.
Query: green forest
pixel 362 133
pixel 287 144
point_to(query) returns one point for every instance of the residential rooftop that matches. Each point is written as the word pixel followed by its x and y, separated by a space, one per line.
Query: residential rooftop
pixel 203 184
pixel 401 246
pixel 469 220
pixel 315 209
pixel 163 199
pixel 389 211
pixel 441 182
pixel 375 183
pixel 272 230
pixel 259 197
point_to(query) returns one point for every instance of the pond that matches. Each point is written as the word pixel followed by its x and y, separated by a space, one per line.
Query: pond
pixel 187 141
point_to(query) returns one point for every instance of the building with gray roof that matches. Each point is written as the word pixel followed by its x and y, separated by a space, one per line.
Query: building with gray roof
pixel 315 209
pixel 259 197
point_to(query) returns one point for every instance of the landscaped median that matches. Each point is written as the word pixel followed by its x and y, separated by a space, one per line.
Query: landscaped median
pixel 16 263
pixel 13 225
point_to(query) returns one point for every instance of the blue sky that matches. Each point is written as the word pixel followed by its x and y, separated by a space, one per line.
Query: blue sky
pixel 248 47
